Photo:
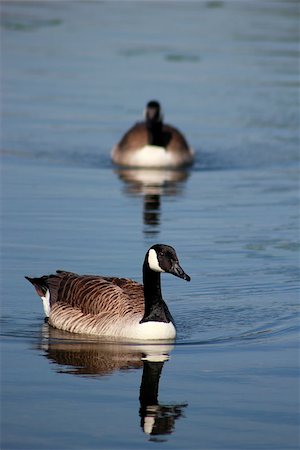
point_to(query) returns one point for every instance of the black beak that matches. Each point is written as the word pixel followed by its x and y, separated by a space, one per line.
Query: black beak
pixel 179 272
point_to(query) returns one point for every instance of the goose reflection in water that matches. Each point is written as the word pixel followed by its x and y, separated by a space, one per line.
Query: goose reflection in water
pixel 153 184
pixel 89 356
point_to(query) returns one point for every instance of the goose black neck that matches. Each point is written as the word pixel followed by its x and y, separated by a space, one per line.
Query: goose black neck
pixel 155 308
pixel 155 135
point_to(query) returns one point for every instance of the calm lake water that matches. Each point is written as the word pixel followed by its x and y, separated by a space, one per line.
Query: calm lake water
pixel 75 76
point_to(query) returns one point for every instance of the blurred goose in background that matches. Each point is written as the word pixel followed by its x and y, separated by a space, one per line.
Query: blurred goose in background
pixel 110 306
pixel 152 143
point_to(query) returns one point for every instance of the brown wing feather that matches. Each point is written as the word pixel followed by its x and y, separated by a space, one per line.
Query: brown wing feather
pixel 135 137
pixel 97 295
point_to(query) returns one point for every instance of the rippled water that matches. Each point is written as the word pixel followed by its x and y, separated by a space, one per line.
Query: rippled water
pixel 75 76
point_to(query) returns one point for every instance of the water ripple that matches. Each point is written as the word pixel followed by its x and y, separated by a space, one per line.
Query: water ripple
pixel 281 329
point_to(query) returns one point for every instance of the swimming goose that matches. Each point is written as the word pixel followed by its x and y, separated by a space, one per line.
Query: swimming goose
pixel 110 306
pixel 152 143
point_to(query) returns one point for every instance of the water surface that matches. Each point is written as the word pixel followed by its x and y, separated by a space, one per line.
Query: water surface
pixel 75 77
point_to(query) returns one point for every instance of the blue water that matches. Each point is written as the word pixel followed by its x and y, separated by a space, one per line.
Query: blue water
pixel 75 76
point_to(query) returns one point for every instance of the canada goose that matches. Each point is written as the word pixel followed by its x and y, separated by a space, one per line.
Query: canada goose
pixel 152 143
pixel 110 306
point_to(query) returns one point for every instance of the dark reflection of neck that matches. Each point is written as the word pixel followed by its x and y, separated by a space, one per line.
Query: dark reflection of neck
pixel 150 383
pixel 156 419
pixel 153 184
pixel 152 210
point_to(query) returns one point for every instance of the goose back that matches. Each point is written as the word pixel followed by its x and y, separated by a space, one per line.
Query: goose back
pixel 137 137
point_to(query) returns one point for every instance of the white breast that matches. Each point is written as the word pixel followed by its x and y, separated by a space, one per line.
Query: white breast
pixel 150 331
pixel 151 156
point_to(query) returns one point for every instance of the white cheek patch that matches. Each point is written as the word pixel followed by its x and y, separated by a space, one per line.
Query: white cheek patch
pixel 153 261
pixel 46 303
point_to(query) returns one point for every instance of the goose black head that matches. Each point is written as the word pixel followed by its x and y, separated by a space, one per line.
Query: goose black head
pixel 163 258
pixel 153 112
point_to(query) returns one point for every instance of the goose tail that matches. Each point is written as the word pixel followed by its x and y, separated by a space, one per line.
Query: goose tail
pixel 42 290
